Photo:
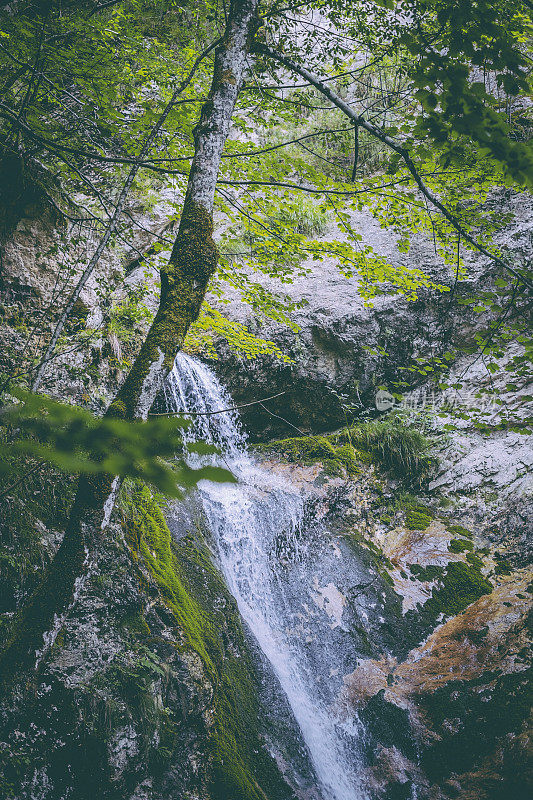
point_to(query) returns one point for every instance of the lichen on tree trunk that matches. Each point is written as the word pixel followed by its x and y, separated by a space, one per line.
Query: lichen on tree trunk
pixel 184 282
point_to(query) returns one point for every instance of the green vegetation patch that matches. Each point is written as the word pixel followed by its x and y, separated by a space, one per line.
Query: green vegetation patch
pixel 400 450
pixel 475 560
pixel 503 567
pixel 336 459
pixel 417 515
pixel 417 520
pixel 459 586
pixel 307 218
pixel 459 531
pixel 490 707
pixel 460 546
pixel 428 573
pixel 39 499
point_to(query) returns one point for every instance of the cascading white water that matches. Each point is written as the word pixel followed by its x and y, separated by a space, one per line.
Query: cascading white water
pixel 256 525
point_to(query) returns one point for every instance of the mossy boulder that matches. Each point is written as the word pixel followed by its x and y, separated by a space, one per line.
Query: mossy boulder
pixel 336 459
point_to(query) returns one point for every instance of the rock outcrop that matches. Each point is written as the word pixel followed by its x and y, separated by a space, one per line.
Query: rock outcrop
pixel 147 688
pixel 345 350
pixel 439 624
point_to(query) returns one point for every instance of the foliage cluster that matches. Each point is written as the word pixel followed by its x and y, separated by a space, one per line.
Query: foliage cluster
pixel 125 323
pixel 399 449
pixel 85 85
pixel 76 441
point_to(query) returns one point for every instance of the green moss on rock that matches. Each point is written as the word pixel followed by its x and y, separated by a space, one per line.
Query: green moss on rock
pixel 399 450
pixel 38 503
pixel 459 530
pixel 417 520
pixel 460 546
pixel 428 573
pixel 459 586
pixel 475 560
pixel 336 459
pixel 492 709
pixel 503 567
pixel 188 583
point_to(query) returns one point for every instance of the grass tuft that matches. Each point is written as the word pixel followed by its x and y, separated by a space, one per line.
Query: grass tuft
pixel 307 219
pixel 398 449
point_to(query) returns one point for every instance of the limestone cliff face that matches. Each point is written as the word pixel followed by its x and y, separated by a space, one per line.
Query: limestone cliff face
pixel 42 260
pixel 345 350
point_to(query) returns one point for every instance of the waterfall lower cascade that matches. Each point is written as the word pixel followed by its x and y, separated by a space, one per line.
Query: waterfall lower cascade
pixel 256 524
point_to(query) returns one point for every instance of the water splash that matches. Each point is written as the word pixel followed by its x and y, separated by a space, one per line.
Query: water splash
pixel 256 524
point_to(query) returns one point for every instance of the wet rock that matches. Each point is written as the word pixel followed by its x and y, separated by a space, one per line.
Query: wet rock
pixel 128 703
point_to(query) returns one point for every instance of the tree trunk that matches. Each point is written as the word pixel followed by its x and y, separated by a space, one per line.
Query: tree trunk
pixel 184 282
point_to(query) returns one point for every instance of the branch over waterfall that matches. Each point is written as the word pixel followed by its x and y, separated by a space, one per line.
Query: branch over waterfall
pixel 402 151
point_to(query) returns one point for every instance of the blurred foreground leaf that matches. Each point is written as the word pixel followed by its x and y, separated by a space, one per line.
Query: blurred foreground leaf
pixel 76 441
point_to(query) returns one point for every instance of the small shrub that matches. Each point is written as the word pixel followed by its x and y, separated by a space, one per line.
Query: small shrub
pixel 475 560
pixel 127 316
pixel 503 567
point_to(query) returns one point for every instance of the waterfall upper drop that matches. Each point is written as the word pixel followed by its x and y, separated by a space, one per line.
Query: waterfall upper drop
pixel 256 524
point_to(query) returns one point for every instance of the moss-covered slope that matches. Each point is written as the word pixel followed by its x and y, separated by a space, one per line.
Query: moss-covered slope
pixel 149 690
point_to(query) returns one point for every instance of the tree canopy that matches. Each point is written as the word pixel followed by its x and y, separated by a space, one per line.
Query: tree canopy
pixel 85 85
pixel 414 109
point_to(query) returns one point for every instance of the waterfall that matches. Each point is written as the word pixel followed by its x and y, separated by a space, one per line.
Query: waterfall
pixel 257 525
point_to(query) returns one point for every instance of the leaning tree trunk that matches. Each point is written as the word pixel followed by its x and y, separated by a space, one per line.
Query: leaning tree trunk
pixel 184 282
